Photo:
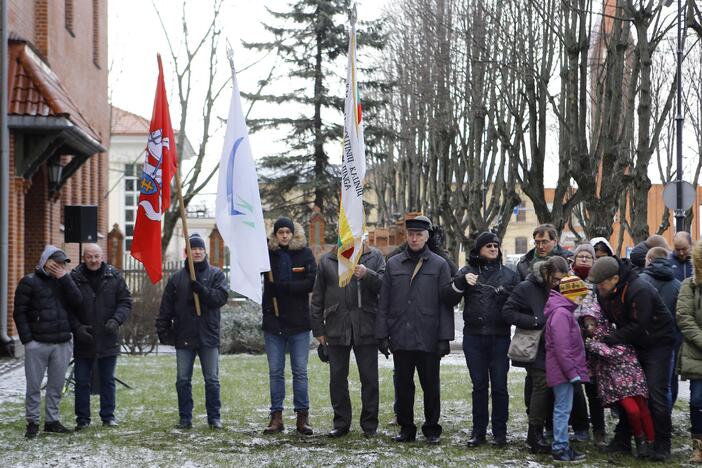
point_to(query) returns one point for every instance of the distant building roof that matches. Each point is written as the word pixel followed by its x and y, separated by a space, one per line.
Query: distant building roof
pixel 125 123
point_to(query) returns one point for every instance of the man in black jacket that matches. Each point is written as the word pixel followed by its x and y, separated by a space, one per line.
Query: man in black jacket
pixel 545 246
pixel 107 304
pixel 484 285
pixel 178 324
pixel 417 326
pixel 44 301
pixel 644 322
pixel 342 319
pixel 660 273
pixel 286 320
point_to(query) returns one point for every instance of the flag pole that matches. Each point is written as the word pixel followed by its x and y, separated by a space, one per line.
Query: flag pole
pixel 183 219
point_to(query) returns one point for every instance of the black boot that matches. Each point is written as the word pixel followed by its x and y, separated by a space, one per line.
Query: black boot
pixel 535 440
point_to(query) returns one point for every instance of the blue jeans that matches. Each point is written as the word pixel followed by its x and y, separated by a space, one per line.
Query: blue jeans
pixel 83 373
pixel 562 405
pixel 209 361
pixel 299 348
pixel 486 357
pixel 696 407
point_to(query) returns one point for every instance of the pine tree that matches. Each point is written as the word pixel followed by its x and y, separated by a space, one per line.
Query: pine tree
pixel 312 42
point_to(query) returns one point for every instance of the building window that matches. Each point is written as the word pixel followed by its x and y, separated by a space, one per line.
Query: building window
pixel 96 33
pixel 520 212
pixel 520 245
pixel 68 16
pixel 132 172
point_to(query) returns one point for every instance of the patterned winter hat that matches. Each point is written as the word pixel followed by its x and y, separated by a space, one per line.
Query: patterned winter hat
pixel 573 287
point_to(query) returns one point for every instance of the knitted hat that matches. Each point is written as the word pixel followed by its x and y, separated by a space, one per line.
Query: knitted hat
pixel 584 247
pixel 603 269
pixel 573 287
pixel 196 241
pixel 420 223
pixel 283 222
pixel 486 238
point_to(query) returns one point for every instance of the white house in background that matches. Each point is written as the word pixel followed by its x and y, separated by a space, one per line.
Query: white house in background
pixel 129 134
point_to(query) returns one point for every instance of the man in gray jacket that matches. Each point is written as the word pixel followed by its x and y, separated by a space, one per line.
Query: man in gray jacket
pixel 417 326
pixel 342 319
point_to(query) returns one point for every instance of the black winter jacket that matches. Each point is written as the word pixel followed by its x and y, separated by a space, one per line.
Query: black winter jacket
pixel 411 311
pixel 524 264
pixel 45 308
pixel 636 308
pixel 111 300
pixel 483 302
pixel 525 309
pixel 178 322
pixel 292 295
pixel 334 311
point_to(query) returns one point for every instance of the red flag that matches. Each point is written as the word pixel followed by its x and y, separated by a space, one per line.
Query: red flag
pixel 160 165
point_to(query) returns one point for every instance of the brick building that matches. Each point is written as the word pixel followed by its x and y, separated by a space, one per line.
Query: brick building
pixel 59 124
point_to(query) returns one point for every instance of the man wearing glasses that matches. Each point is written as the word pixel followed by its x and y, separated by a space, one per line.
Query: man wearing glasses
pixel 545 246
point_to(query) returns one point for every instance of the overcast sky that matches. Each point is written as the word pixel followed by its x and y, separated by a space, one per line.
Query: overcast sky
pixel 135 36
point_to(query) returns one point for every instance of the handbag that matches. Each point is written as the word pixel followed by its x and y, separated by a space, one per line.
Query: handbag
pixel 525 345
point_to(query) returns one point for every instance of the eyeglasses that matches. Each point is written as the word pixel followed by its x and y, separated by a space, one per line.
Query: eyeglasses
pixel 542 242
pixel 584 257
pixel 492 246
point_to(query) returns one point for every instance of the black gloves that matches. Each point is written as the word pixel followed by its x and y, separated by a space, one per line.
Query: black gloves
pixel 197 287
pixel 443 348
pixel 112 326
pixel 323 353
pixel 84 334
pixel 166 337
pixel 384 347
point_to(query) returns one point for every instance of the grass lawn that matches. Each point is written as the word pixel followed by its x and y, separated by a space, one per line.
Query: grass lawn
pixel 148 413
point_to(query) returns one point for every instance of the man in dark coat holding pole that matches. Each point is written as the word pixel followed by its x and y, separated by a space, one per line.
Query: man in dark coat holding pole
pixel 342 319
pixel 192 334
pixel 416 326
pixel 107 304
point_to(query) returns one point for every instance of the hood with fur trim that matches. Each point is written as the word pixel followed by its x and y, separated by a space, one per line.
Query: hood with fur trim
pixel 298 242
pixel 697 262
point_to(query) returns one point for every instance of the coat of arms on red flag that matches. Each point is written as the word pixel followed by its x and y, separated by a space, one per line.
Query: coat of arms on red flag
pixel 160 164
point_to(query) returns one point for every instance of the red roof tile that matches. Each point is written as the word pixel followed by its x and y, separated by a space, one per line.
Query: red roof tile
pixel 127 123
pixel 35 90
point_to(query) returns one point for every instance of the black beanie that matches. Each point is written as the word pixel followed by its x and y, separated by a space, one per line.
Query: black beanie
pixel 197 241
pixel 284 222
pixel 486 238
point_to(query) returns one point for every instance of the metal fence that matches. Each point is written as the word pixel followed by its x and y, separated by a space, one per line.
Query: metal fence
pixel 137 279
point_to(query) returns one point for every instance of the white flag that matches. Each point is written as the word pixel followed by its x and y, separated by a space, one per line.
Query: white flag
pixel 238 211
pixel 352 219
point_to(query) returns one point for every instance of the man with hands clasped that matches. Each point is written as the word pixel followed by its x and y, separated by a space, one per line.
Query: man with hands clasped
pixel 416 326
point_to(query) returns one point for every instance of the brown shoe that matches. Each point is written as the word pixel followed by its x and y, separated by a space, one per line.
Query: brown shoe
pixel 303 426
pixel 276 424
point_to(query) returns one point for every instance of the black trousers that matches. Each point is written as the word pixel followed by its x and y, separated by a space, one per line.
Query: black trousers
pixel 656 363
pixel 427 365
pixel 367 362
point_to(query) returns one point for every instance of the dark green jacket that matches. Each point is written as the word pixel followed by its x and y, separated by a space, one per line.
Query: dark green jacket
pixel 335 312
pixel 689 315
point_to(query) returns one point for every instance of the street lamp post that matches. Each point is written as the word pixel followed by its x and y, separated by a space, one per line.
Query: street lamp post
pixel 679 211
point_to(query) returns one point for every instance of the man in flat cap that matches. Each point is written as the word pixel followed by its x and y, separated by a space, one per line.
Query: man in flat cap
pixel 45 301
pixel 416 326
pixel 644 322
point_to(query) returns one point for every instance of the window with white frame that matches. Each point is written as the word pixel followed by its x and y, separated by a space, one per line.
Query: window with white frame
pixel 132 173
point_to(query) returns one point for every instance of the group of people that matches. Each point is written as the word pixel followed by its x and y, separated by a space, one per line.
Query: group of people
pixel 593 331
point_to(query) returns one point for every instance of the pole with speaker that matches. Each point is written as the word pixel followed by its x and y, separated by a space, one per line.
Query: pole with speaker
pixel 80 225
